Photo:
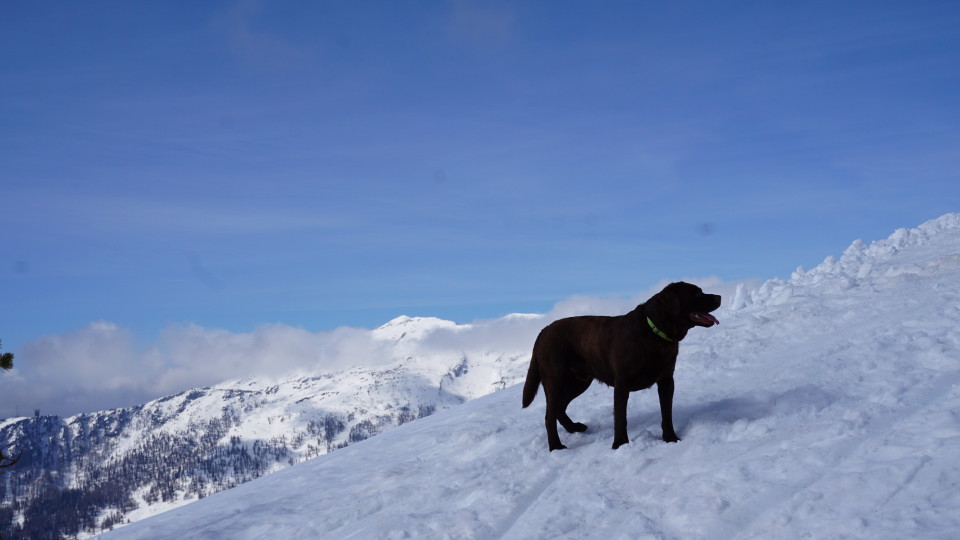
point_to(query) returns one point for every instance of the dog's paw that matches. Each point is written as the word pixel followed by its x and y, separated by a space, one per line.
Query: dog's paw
pixel 618 444
pixel 561 447
pixel 670 437
pixel 577 427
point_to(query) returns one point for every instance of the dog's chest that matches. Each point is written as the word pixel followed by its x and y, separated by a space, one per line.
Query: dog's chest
pixel 645 369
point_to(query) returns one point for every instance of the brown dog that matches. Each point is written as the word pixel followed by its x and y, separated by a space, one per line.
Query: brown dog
pixel 628 352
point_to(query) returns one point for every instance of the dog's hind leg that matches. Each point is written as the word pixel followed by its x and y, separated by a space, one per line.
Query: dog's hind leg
pixel 550 419
pixel 571 390
pixel 553 437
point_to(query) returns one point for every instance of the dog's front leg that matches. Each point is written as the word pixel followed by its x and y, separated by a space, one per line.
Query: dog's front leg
pixel 620 396
pixel 665 391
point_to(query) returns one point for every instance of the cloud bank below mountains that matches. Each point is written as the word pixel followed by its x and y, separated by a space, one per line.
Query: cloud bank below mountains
pixel 102 366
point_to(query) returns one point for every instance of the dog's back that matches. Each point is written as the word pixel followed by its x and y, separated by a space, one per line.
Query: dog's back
pixel 564 346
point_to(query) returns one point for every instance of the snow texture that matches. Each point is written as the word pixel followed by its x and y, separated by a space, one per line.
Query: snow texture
pixel 823 406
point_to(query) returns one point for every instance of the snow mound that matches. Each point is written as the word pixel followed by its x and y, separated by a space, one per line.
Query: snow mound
pixel 907 253
pixel 825 406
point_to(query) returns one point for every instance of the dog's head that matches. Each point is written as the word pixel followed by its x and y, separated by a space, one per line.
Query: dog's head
pixel 681 306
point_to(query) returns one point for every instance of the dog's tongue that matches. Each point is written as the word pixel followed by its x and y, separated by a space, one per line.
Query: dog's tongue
pixel 705 319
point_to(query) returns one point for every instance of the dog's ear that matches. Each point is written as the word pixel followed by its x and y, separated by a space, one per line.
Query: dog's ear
pixel 668 300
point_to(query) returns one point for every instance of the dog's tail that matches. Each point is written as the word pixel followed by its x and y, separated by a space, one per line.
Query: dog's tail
pixel 533 380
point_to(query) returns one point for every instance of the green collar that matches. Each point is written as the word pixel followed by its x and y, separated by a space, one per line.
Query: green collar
pixel 658 331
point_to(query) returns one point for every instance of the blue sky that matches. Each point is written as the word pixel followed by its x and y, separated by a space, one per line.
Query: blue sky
pixel 322 164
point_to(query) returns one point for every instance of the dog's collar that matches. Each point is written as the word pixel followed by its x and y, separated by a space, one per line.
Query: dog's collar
pixel 658 331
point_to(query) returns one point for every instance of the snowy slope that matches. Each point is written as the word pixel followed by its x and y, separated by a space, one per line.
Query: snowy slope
pixel 823 406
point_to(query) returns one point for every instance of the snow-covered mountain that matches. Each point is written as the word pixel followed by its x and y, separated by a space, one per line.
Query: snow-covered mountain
pixel 86 473
pixel 824 406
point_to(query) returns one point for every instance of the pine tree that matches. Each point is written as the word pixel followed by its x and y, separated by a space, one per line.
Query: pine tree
pixel 6 364
pixel 6 360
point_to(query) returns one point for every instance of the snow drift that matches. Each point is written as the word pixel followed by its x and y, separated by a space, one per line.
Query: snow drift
pixel 825 406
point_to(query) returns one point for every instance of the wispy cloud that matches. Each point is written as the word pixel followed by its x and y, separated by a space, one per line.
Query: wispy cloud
pixel 483 25
pixel 252 43
pixel 123 215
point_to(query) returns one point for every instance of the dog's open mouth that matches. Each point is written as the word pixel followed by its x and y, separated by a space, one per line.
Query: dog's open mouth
pixel 703 319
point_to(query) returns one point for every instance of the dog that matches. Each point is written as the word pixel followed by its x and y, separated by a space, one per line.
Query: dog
pixel 628 352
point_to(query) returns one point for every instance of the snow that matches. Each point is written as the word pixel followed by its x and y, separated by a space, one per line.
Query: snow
pixel 407 328
pixel 823 406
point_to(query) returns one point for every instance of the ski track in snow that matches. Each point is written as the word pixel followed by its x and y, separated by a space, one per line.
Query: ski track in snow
pixel 824 406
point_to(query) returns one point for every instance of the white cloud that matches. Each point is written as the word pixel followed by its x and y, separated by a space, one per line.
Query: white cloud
pixel 100 366
pixel 90 368
pixel 96 356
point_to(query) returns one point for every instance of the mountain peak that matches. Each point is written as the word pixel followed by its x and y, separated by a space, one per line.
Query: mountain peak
pixel 405 327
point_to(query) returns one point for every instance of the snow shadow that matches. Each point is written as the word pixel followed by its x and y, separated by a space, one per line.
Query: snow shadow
pixel 738 417
pixel 803 400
